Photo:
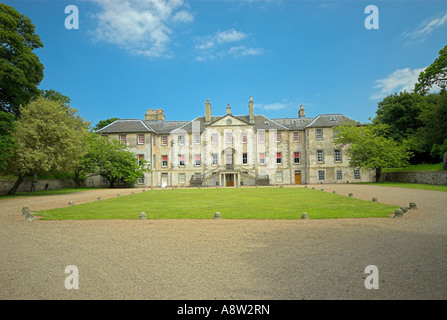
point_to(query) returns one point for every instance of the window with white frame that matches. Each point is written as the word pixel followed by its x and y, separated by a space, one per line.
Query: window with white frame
pixel 215 159
pixel 261 136
pixel 140 139
pixel 278 158
pixel 181 160
pixel 356 173
pixel 339 174
pixel 296 136
pixel 296 158
pixel 214 138
pixel 181 178
pixel 140 159
pixel 197 160
pixel 278 137
pixel 321 175
pixel 164 140
pixel 278 176
pixel 181 140
pixel 164 161
pixel 244 158
pixel 140 180
pixel 320 156
pixel 262 158
pixel 197 139
pixel 337 155
pixel 244 137
pixel 319 134
pixel 229 136
pixel 123 138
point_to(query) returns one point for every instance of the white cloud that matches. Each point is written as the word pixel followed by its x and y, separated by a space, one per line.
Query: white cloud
pixel 272 106
pixel 142 27
pixel 399 80
pixel 217 45
pixel 426 27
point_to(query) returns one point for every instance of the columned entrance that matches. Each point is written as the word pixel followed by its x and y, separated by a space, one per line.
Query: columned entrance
pixel 229 179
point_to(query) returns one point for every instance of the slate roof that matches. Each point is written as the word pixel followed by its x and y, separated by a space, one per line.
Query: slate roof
pixel 261 123
pixel 126 125
pixel 328 120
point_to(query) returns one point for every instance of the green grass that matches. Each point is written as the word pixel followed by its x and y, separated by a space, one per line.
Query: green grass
pixel 408 185
pixel 232 203
pixel 417 167
pixel 44 192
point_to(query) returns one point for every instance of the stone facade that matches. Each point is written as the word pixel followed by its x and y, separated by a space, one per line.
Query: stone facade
pixel 425 177
pixel 233 150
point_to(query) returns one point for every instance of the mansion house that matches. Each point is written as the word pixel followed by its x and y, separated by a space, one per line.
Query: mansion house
pixel 234 151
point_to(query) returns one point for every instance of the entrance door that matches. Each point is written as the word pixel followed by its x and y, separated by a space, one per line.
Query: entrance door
pixel 164 180
pixel 229 178
pixel 297 178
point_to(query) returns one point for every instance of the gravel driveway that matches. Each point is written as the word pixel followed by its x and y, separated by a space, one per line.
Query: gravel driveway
pixel 227 259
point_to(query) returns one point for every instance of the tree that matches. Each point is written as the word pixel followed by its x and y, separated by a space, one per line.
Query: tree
pixel 20 69
pixel 433 134
pixel 7 142
pixel 55 95
pixel 112 160
pixel 102 123
pixel 368 148
pixel 435 74
pixel 50 139
pixel 401 113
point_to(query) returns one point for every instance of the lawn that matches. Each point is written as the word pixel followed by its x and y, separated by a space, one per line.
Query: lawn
pixel 44 192
pixel 232 203
pixel 417 167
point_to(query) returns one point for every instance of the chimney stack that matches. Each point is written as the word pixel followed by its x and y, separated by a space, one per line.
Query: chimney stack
pixel 251 116
pixel 154 115
pixel 228 108
pixel 301 112
pixel 207 111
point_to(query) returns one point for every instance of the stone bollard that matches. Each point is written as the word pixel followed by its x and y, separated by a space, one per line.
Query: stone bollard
pixel 350 195
pixel 70 203
pixel 25 211
pixel 132 192
pixel 334 191
pixel 142 216
pixel 412 205
pixel 398 213
pixel 304 216
pixel 117 194
pixel 143 190
pixel 99 198
pixel 305 187
pixel 217 215
pixel 374 199
pixel 404 209
pixel 322 189
pixel 313 188
pixel 29 217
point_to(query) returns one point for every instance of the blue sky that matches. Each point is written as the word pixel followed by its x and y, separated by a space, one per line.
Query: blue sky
pixel 129 56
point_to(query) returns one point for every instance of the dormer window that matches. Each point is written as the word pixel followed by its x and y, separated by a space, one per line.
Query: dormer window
pixel 332 118
pixel 266 123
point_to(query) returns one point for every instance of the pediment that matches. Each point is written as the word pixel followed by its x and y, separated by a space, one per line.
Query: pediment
pixel 228 121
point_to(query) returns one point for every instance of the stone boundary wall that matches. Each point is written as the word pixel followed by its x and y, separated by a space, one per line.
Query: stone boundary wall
pixel 426 177
pixel 44 184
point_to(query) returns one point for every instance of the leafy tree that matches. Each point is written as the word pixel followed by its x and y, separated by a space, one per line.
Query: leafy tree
pixel 368 148
pixel 50 139
pixel 7 142
pixel 54 95
pixel 20 69
pixel 433 134
pixel 112 160
pixel 435 74
pixel 401 113
pixel 102 123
